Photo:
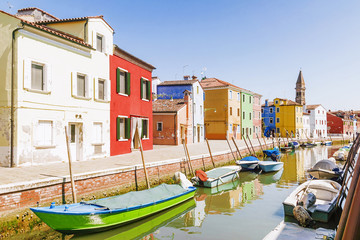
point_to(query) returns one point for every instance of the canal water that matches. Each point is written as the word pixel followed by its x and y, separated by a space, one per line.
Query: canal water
pixel 246 209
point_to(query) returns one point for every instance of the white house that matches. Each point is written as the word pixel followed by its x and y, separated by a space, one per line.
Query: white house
pixel 305 132
pixel 318 120
pixel 60 78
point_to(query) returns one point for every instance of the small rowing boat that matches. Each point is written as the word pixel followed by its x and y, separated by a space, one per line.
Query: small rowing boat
pixel 248 163
pixel 323 194
pixel 216 176
pixel 325 169
pixel 270 166
pixel 274 154
pixel 102 214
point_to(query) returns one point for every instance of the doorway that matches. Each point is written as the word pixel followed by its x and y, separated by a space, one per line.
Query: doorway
pixel 76 141
pixel 198 133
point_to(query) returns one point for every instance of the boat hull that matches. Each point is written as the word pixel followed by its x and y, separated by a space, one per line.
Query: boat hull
pixel 95 222
pixel 323 174
pixel 210 183
pixel 268 166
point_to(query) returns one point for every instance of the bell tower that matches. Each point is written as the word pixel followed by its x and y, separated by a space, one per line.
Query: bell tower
pixel 300 89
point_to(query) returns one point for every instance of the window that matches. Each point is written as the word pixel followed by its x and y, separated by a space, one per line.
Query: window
pixel 249 131
pixel 197 90
pixel 238 129
pixel 276 102
pixel 230 128
pixel 238 112
pixel 243 98
pixel 37 76
pixel 101 89
pixel 99 43
pixel 243 115
pixel 277 109
pixel 201 110
pixel 238 96
pixel 159 126
pixel 122 128
pixel 278 130
pixel 145 128
pixel 230 111
pixel 145 89
pixel 249 99
pixel 249 116
pixel 271 110
pixel 72 133
pixel 230 94
pixel 277 120
pixel 97 134
pixel 262 110
pixel 122 81
pixel 81 86
pixel 271 120
pixel 44 133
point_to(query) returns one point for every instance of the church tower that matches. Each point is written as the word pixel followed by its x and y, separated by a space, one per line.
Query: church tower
pixel 300 89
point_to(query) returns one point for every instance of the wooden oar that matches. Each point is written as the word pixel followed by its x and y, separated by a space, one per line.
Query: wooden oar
pixel 70 169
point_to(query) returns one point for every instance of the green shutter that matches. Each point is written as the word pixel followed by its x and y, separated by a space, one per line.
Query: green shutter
pixel 148 89
pixel 127 85
pixel 141 88
pixel 117 80
pixel 127 128
pixel 118 128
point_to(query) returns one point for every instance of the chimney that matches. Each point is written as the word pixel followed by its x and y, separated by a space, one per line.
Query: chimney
pixel 266 102
pixel 194 77
pixel 186 101
pixel 187 77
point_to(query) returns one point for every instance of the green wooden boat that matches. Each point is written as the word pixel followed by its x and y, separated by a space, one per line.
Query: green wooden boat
pixel 102 214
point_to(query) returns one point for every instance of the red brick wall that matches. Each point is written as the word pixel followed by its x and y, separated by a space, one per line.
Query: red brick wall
pixel 168 135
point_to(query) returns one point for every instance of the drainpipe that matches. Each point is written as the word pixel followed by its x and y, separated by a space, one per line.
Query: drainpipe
pixel 12 127
pixel 175 129
pixel 85 30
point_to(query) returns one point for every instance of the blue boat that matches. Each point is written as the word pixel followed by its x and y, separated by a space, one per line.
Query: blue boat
pixel 248 163
pixel 270 166
pixel 295 144
pixel 274 153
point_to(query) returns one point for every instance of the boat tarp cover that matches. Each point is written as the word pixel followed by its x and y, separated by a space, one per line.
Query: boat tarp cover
pixel 250 158
pixel 218 172
pixel 324 164
pixel 134 198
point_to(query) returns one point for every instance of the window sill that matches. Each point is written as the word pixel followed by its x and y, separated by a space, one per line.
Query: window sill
pixel 81 98
pixel 145 138
pixel 97 144
pixel 44 146
pixel 101 100
pixel 146 100
pixel 38 91
pixel 123 94
pixel 123 140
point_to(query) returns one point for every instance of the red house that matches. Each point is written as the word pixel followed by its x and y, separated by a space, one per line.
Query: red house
pixel 131 103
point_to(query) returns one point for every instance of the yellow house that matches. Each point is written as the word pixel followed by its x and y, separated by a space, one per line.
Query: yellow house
pixel 288 116
pixel 222 109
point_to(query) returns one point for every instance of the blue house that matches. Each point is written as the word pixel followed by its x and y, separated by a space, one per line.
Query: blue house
pixel 268 116
pixel 175 90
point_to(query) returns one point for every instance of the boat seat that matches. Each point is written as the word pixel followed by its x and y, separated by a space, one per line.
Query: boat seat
pixel 322 194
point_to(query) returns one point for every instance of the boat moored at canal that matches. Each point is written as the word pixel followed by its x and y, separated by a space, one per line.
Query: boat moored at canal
pixel 248 163
pixel 216 176
pixel 325 169
pixel 270 166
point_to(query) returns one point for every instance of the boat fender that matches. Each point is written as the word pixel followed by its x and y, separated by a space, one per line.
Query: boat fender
pixel 201 175
pixel 302 216
pixel 184 182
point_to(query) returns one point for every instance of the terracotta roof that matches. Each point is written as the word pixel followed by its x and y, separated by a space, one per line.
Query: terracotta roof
pixel 73 20
pixel 131 58
pixel 214 83
pixel 289 102
pixel 168 105
pixel 305 113
pixel 35 8
pixel 52 31
pixel 270 104
pixel 178 82
pixel 311 107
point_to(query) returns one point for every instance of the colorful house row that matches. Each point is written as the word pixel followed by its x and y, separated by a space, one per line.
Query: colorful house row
pixel 59 73
pixel 343 123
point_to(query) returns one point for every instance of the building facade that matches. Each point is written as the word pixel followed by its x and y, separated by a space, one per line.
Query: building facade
pixel 257 125
pixel 318 120
pixel 172 120
pixel 268 116
pixel 131 103
pixel 54 83
pixel 305 132
pixel 175 89
pixel 247 114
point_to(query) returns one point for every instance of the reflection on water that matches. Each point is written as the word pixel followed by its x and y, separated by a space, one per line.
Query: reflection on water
pixel 248 208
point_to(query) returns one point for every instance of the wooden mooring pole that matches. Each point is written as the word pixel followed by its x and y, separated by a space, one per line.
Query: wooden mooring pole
pixel 188 157
pixel 259 143
pixel 251 144
pixel 70 169
pixel 143 160
pixel 211 157
pixel 237 147
pixel 231 149
pixel 247 146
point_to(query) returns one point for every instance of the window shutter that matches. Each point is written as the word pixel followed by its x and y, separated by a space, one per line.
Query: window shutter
pixel 88 86
pixel 142 129
pixel 48 79
pixel 117 80
pixel 27 74
pixel 118 128
pixel 148 89
pixel 127 83
pixel 141 88
pixel 127 128
pixel 74 83
pixel 96 87
pixel 37 134
pixel 108 90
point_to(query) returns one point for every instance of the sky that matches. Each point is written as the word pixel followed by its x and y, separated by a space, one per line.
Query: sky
pixel 259 45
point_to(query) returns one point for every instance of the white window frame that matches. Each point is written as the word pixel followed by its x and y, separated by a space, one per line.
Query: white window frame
pixel 230 94
pixel 124 128
pixel 88 85
pixel 231 126
pixel 157 126
pixel 271 120
pixel 148 130
pixel 106 89
pixel 277 109
pixel 102 42
pixel 95 140
pixel 142 97
pixel 238 97
pixel 271 110
pixel 47 76
pixel 277 120
pixel 126 72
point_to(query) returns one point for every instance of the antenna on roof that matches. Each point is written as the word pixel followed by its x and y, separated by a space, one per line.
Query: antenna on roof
pixel 184 69
pixel 9 5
